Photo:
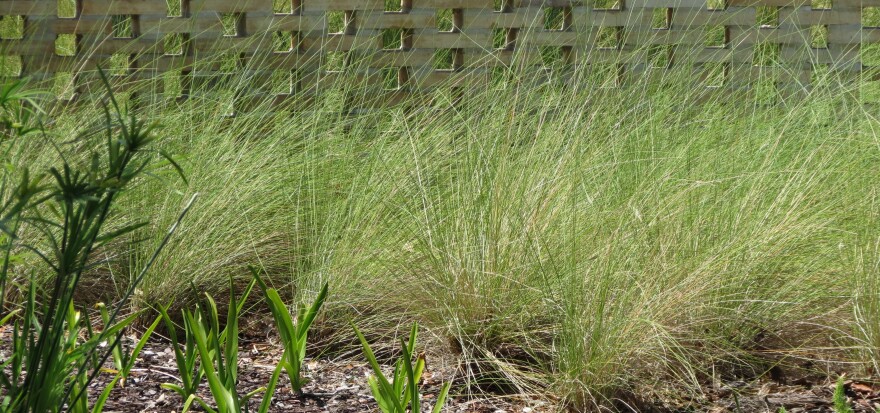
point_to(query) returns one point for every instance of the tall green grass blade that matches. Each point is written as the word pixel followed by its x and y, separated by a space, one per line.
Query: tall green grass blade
pixel 165 155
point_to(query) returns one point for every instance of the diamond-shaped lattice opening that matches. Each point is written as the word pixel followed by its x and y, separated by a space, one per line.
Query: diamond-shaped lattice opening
pixel 869 86
pixel 819 37
pixel 336 21
pixel 68 9
pixel 660 56
pixel 283 82
pixel 500 76
pixel 392 39
pixel 661 18
pixel 716 36
pixel 555 18
pixel 123 26
pixel 10 66
pixel 447 59
pixel 172 84
pixel 174 44
pixel 608 4
pixel 334 61
pixel 11 27
pixel 765 89
pixel 871 17
pixel 231 63
pixel 553 56
pixel 64 86
pixel 233 24
pixel 119 64
pixel 390 78
pixel 398 5
pixel 502 6
pixel 870 54
pixel 445 20
pixel 176 8
pixel 767 16
pixel 502 38
pixel 609 37
pixel 286 6
pixel 714 74
pixel 819 74
pixel 284 42
pixel 766 54
pixel 715 5
pixel 606 75
pixel 449 20
pixel 66 45
pixel 820 4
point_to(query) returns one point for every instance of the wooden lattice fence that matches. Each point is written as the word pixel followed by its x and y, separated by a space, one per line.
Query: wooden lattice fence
pixel 286 48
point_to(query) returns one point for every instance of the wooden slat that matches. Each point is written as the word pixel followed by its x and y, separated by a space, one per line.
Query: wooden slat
pixel 473 39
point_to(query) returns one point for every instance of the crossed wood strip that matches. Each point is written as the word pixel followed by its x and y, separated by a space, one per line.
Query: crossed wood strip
pixel 414 45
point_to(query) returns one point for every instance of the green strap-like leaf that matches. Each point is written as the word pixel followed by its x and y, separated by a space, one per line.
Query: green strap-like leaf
pixel 188 403
pixel 306 321
pixel 98 407
pixel 241 303
pixel 384 386
pixel 226 402
pixel 9 316
pixel 103 239
pixel 175 388
pixel 175 165
pixel 231 351
pixel 282 317
pixel 419 369
pixel 382 399
pixel 413 334
pixel 136 351
pixel 183 367
pixel 410 376
pixel 270 388
pixel 441 398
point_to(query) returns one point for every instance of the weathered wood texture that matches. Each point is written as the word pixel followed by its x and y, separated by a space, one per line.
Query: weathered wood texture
pixel 426 43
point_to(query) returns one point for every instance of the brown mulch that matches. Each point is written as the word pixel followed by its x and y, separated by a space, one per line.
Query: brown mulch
pixel 334 386
pixel 771 396
pixel 341 386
